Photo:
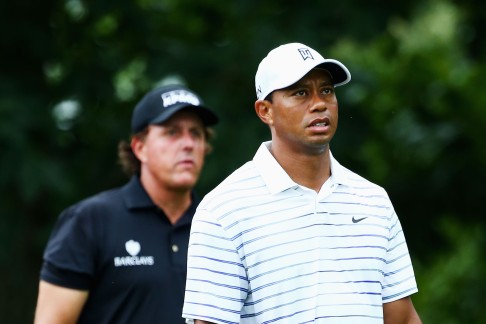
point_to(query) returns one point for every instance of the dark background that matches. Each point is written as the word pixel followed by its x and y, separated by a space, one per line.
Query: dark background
pixel 412 119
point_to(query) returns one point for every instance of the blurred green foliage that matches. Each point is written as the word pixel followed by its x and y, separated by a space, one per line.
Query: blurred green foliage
pixel 411 120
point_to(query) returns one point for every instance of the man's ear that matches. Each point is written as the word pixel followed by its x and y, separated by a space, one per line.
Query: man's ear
pixel 263 109
pixel 137 144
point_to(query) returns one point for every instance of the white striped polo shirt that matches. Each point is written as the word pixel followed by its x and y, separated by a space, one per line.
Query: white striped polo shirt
pixel 265 250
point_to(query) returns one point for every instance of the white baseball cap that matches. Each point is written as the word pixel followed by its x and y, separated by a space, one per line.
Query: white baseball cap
pixel 288 63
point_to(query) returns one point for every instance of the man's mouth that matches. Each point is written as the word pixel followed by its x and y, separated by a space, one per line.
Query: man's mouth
pixel 321 122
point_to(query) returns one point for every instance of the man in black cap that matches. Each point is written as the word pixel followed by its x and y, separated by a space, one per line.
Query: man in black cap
pixel 120 256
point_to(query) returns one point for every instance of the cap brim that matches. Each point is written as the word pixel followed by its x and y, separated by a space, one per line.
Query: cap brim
pixel 207 116
pixel 340 74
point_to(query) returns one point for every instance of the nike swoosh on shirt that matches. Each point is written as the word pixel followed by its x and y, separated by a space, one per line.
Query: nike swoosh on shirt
pixel 357 220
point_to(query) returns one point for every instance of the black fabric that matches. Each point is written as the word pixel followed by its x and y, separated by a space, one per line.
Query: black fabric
pixel 161 103
pixel 141 283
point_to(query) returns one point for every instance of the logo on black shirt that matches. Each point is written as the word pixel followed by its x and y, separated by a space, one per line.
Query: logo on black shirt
pixel 133 248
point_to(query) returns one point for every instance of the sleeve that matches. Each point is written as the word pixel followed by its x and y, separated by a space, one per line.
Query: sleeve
pixel 216 285
pixel 399 279
pixel 69 254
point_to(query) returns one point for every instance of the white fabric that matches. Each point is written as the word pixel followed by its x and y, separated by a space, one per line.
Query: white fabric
pixel 264 249
pixel 288 63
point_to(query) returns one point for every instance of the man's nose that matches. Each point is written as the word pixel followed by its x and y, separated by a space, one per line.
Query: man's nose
pixel 188 140
pixel 318 103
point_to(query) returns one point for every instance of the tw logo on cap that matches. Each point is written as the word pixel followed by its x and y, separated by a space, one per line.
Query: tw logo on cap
pixel 179 96
pixel 305 53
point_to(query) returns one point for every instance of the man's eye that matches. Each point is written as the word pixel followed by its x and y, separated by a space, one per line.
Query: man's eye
pixel 171 131
pixel 300 93
pixel 197 133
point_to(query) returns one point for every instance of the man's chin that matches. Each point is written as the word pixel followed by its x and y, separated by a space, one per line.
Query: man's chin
pixel 185 182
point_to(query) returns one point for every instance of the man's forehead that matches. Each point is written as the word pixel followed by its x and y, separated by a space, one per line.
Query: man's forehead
pixel 321 72
pixel 323 75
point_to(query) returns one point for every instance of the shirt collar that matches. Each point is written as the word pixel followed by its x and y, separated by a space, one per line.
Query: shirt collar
pixel 340 174
pixel 275 177
pixel 136 197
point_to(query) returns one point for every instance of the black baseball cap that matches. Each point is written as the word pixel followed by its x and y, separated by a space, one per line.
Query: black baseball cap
pixel 160 104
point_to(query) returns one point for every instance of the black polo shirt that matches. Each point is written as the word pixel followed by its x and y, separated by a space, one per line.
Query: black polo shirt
pixel 123 249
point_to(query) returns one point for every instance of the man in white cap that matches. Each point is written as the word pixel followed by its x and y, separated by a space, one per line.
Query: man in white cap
pixel 292 236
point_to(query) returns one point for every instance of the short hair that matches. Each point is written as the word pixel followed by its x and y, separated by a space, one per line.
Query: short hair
pixel 269 97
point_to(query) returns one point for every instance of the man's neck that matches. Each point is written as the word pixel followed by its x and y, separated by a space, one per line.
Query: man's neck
pixel 310 170
pixel 173 202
